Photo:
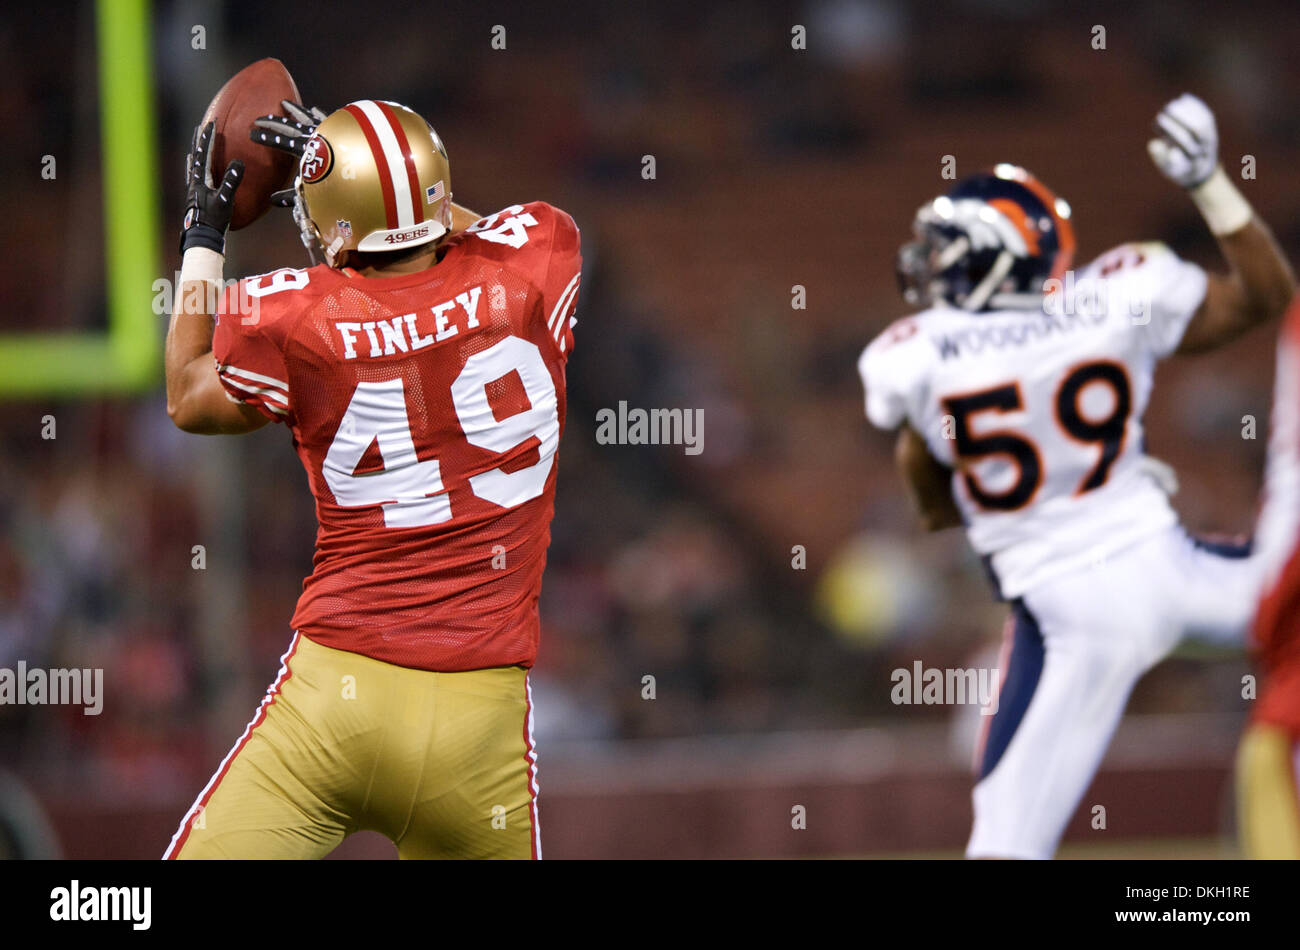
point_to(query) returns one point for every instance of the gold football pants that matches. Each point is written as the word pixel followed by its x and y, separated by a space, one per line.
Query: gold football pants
pixel 1267 802
pixel 442 764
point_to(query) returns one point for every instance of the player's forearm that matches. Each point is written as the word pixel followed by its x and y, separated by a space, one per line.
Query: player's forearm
pixel 189 334
pixel 1256 289
pixel 928 483
pixel 1260 272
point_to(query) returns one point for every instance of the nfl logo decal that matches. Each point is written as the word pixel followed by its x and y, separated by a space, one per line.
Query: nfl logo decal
pixel 435 191
pixel 345 228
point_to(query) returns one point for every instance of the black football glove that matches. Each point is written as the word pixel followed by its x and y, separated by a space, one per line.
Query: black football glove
pixel 208 207
pixel 287 133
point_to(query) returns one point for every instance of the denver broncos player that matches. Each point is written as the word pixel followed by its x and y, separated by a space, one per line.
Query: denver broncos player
pixel 1017 394
pixel 420 371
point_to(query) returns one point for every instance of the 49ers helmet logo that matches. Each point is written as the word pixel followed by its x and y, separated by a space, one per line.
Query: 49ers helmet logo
pixel 317 160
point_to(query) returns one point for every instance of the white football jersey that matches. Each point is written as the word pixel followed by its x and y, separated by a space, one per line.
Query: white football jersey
pixel 1039 412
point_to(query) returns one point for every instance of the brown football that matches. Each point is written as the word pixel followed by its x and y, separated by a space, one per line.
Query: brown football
pixel 254 91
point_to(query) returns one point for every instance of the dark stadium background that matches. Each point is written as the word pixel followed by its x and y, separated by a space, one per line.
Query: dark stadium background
pixel 774 168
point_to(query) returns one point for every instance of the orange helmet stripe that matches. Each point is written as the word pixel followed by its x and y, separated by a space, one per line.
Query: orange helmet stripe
pixel 1064 230
pixel 1016 215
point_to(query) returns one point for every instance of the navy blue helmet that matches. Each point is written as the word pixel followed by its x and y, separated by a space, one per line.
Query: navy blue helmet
pixel 991 242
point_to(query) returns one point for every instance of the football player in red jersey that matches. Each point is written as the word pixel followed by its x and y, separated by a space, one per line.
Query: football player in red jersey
pixel 420 370
pixel 1268 762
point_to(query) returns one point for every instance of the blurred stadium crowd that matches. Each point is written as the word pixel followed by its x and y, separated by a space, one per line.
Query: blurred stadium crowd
pixel 774 168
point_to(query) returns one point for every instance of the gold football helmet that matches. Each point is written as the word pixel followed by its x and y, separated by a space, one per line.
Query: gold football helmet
pixel 373 177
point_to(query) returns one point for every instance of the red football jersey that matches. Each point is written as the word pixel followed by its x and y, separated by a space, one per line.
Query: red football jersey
pixel 1277 539
pixel 427 409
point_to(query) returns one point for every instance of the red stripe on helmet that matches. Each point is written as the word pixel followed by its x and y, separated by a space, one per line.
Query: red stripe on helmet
pixel 381 163
pixel 412 178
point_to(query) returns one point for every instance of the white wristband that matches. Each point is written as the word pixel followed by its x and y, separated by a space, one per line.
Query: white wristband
pixel 201 263
pixel 1224 208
